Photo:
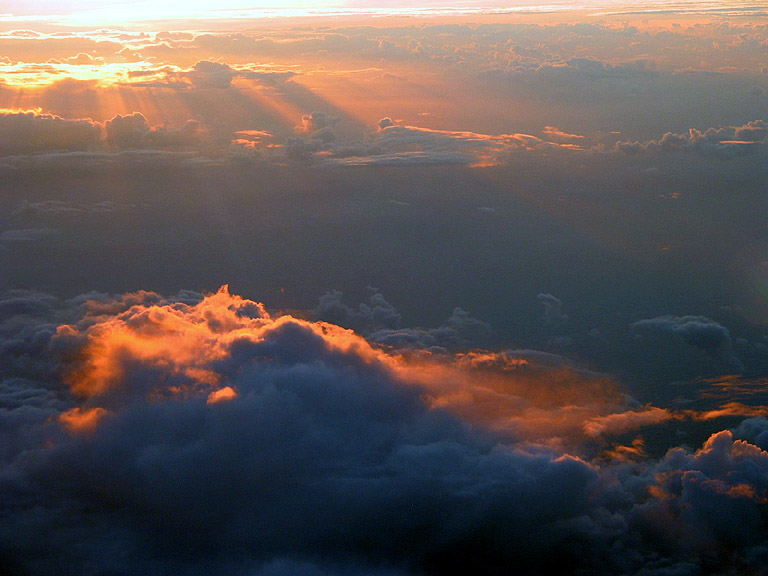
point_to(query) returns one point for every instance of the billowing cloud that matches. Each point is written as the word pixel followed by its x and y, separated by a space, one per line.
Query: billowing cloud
pixel 32 131
pixel 206 74
pixel 376 314
pixel 698 331
pixel 379 321
pixel 153 434
pixel 133 131
pixel 730 140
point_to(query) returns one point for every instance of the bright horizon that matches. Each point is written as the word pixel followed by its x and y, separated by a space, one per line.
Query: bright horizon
pixel 76 13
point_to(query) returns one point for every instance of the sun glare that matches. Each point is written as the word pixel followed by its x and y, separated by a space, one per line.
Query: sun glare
pixel 88 13
pixel 91 13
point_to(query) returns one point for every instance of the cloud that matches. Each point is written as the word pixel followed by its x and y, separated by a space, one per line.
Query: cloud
pixel 206 74
pixel 559 135
pixel 319 126
pixel 552 309
pixel 719 483
pixel 698 331
pixel 84 59
pixel 200 434
pixel 32 131
pixel 460 331
pixel 623 421
pixel 726 141
pixel 127 131
pixel 376 314
pixel 395 145
pixel 133 131
pixel 151 434
pixel 313 418
pixel 379 321
pixel 203 75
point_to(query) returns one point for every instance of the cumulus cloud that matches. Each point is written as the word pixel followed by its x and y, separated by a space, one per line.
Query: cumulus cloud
pixel 377 313
pixel 206 74
pixel 133 131
pixel 385 122
pixel 319 127
pixel 291 422
pixel 32 131
pixel 379 321
pixel 699 331
pixel 203 75
pixel 729 140
pixel 152 434
pixel 127 131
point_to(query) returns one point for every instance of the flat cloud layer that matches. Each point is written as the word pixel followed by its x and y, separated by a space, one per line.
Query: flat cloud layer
pixel 174 435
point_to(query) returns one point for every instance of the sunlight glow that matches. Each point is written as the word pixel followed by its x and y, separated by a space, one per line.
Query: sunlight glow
pixel 84 13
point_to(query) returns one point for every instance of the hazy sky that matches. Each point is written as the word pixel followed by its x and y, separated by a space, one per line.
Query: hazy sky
pixel 381 292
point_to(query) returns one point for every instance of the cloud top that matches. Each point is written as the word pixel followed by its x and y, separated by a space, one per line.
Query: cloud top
pixel 160 435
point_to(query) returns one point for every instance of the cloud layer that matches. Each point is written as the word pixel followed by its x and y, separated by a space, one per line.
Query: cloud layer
pixel 567 373
pixel 200 433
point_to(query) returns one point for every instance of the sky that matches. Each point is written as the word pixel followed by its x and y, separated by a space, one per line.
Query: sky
pixel 352 288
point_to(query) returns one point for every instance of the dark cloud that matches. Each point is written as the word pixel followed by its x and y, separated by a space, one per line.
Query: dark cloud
pixel 395 145
pixel 127 131
pixel 461 330
pixel 374 315
pixel 386 122
pixel 380 322
pixel 319 127
pixel 206 74
pixel 174 435
pixel 203 75
pixel 26 132
pixel 698 331
pixel 726 141
pixel 552 309
pixel 133 131
pixel 34 133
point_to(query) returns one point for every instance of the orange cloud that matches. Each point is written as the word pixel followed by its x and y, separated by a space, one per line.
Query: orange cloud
pixel 558 134
pixel 221 395
pixel 82 420
pixel 731 409
pixel 525 396
pixel 173 349
pixel 144 347
pixel 625 421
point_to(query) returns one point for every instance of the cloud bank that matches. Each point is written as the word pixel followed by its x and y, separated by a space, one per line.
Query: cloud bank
pixel 174 435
